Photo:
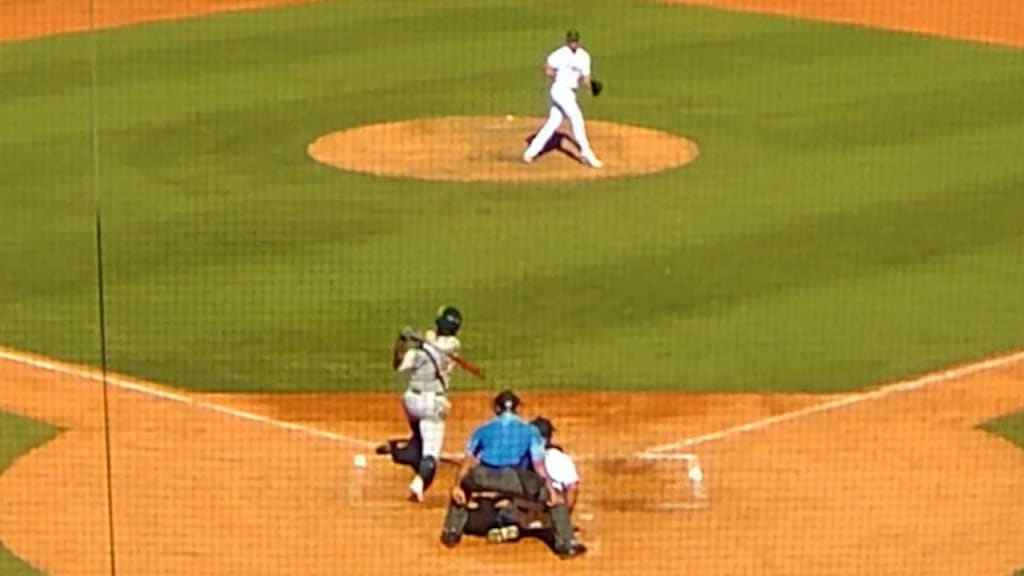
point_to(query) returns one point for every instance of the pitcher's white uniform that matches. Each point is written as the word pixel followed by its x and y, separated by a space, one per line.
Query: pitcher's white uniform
pixel 428 370
pixel 570 66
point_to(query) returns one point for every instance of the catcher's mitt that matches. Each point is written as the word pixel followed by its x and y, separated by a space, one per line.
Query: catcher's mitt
pixel 596 87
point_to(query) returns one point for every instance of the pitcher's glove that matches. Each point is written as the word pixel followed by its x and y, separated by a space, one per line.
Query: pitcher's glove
pixel 596 87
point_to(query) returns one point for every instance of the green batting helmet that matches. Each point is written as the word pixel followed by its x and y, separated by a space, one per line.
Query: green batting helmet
pixel 448 321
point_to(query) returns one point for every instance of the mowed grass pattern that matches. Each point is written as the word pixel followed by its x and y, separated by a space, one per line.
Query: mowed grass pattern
pixel 854 215
pixel 18 435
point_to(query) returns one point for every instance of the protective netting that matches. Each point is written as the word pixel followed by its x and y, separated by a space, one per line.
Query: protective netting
pixel 765 284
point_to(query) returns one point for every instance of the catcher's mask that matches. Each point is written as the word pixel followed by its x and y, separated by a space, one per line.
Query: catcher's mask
pixel 544 426
pixel 448 321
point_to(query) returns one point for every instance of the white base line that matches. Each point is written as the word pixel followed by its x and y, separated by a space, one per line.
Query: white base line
pixel 96 376
pixel 654 453
pixel 165 394
pixel 882 392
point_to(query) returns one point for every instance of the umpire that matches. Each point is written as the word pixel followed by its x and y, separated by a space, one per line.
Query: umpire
pixel 505 455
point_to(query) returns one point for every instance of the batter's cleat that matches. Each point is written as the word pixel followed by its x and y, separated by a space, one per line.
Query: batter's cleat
pixel 503 534
pixel 416 490
pixel 595 162
pixel 574 549
pixel 383 449
pixel 527 159
pixel 450 539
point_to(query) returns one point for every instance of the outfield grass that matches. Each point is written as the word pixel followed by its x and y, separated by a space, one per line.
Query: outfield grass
pixel 17 436
pixel 853 216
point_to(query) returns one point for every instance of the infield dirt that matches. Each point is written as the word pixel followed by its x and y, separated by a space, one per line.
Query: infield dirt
pixel 904 484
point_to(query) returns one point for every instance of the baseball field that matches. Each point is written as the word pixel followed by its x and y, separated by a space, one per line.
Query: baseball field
pixel 802 266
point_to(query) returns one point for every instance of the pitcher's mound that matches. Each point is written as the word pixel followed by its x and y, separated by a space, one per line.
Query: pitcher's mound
pixel 484 148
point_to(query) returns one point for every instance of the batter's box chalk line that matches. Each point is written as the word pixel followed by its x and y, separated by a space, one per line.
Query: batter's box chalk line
pixel 691 467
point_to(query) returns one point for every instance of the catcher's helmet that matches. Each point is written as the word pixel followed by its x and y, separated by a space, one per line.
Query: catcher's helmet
pixel 448 321
pixel 544 426
pixel 506 401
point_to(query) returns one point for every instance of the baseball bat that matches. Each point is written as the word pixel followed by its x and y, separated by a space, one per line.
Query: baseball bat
pixel 467 365
pixel 459 361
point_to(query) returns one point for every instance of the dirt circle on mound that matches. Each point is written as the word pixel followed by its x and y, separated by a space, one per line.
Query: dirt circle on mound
pixel 489 149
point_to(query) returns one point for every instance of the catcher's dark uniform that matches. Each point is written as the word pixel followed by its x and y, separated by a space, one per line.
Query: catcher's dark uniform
pixel 503 519
pixel 502 450
pixel 489 512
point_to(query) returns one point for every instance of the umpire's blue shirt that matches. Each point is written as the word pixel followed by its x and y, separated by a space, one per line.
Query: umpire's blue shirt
pixel 506 441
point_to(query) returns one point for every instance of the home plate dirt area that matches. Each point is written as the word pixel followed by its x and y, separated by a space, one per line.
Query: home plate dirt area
pixel 265 484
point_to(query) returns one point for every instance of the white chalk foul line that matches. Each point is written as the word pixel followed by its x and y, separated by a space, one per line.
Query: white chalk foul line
pixel 946 375
pixel 653 453
pixel 152 390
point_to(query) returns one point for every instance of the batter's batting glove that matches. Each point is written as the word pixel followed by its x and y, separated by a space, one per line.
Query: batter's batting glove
pixel 596 87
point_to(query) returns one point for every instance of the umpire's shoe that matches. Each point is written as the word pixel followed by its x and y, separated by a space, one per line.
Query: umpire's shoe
pixel 574 549
pixel 450 539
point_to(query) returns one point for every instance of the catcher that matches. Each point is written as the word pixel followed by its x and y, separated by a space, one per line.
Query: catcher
pixel 504 459
pixel 425 363
pixel 507 519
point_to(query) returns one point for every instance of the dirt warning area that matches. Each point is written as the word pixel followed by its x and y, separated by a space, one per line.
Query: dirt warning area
pixel 992 21
pixel 896 483
pixel 22 19
pixel 485 148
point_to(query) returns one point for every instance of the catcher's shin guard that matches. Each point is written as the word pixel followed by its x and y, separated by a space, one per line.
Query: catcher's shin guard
pixel 561 526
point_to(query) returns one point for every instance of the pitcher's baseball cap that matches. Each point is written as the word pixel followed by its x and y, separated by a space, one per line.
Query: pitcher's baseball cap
pixel 572 35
